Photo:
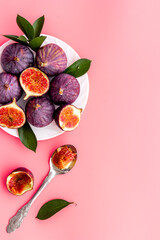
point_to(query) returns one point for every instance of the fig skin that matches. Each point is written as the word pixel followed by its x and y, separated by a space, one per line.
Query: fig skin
pixel 64 89
pixel 73 121
pixel 16 57
pixel 15 185
pixel 9 88
pixel 39 111
pixel 11 115
pixel 51 59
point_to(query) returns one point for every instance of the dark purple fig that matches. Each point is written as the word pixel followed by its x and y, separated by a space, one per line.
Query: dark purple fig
pixel 67 117
pixel 16 57
pixel 39 111
pixel 9 88
pixel 51 59
pixel 64 89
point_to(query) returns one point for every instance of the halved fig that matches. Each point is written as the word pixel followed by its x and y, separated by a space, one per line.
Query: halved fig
pixel 64 157
pixel 51 59
pixel 34 82
pixel 12 116
pixel 67 117
pixel 20 181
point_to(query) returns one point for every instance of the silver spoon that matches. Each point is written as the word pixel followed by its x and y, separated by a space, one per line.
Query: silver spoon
pixel 56 168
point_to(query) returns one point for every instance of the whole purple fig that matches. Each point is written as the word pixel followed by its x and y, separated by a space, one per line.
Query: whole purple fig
pixel 64 89
pixel 9 88
pixel 16 57
pixel 39 111
pixel 51 59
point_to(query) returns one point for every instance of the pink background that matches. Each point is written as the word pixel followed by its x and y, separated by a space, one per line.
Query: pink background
pixel 116 181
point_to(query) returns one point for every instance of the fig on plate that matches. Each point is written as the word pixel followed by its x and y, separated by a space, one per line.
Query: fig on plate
pixel 64 89
pixel 67 117
pixel 34 82
pixel 11 115
pixel 16 57
pixel 20 181
pixel 9 88
pixel 51 59
pixel 39 111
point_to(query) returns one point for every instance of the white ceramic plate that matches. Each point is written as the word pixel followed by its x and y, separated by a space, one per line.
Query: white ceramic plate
pixel 52 130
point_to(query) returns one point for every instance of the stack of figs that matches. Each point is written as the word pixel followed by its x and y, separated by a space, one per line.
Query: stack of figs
pixel 45 84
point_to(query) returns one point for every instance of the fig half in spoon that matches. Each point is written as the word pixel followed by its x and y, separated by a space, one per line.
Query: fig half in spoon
pixel 64 157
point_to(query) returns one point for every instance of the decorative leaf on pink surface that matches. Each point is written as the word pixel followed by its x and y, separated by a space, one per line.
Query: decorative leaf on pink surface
pixel 52 207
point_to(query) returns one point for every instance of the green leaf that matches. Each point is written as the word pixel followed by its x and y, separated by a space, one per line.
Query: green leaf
pixel 27 137
pixel 79 68
pixel 38 25
pixel 25 26
pixel 16 38
pixel 23 38
pixel 51 207
pixel 36 42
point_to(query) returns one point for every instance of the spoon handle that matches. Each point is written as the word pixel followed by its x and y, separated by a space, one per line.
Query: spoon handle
pixel 17 219
pixel 45 182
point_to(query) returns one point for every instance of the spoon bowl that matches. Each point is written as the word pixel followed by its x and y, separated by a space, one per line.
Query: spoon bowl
pixel 63 159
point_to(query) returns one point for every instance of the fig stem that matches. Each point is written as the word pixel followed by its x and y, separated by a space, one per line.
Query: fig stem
pixel 43 64
pixel 6 86
pixel 14 100
pixel 16 59
pixel 61 91
pixel 26 97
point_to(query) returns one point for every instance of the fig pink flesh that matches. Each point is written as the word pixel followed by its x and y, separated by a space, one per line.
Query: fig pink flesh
pixel 67 117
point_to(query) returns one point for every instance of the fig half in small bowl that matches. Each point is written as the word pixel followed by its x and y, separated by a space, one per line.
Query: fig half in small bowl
pixel 20 181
